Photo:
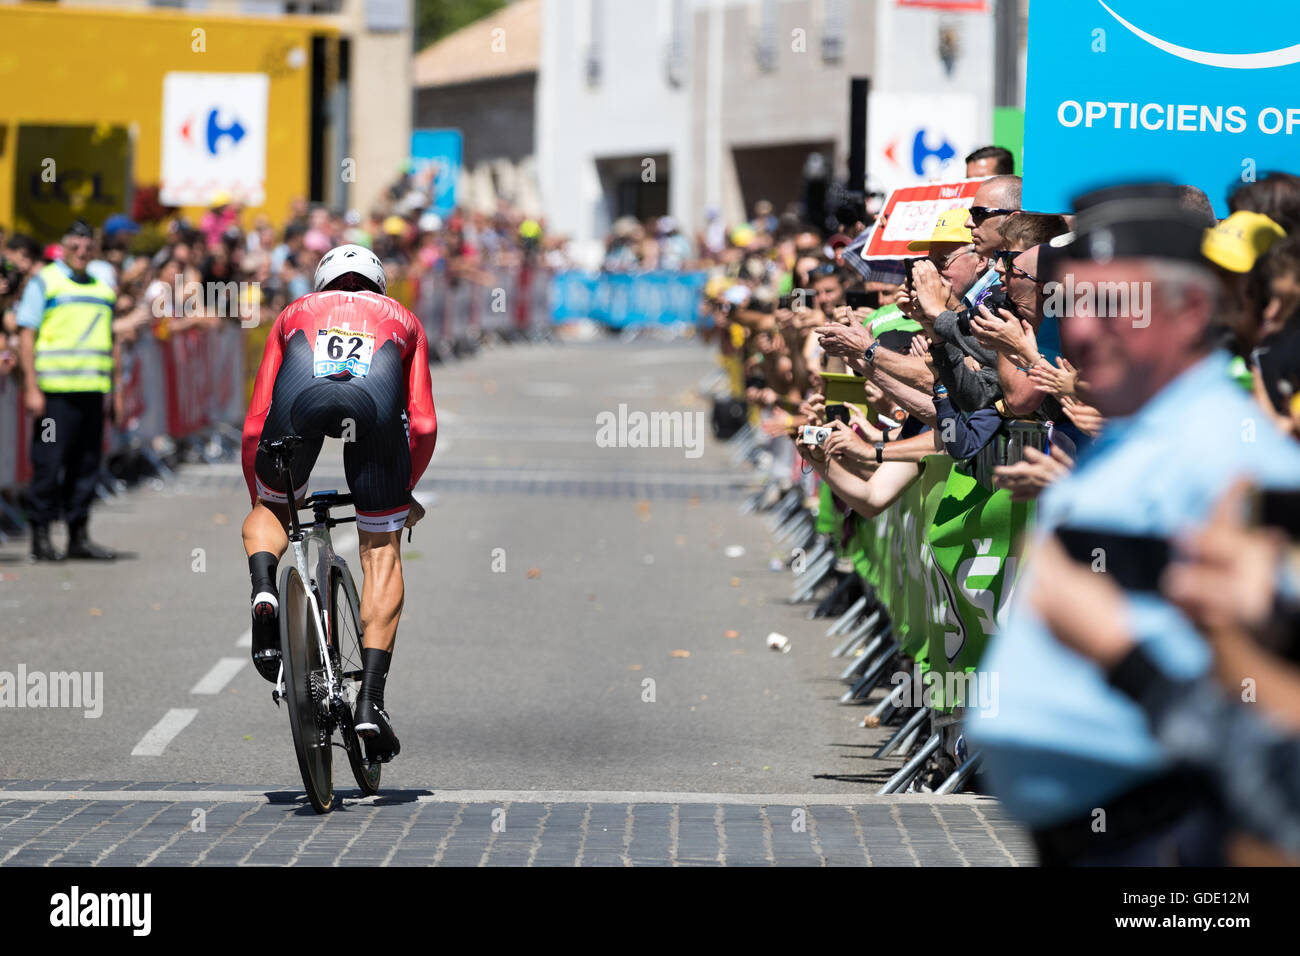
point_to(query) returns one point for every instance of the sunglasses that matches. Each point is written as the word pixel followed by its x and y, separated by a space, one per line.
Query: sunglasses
pixel 946 261
pixel 822 271
pixel 1007 258
pixel 980 213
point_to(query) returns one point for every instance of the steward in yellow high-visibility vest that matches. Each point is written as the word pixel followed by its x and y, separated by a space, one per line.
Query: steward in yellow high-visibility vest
pixel 65 319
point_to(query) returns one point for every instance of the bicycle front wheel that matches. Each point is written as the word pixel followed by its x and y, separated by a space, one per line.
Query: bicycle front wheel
pixel 305 691
pixel 345 639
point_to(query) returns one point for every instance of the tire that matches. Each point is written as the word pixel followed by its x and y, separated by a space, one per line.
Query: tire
pixel 345 638
pixel 304 687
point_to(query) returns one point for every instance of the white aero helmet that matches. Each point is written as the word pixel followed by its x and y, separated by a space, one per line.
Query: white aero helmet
pixel 350 258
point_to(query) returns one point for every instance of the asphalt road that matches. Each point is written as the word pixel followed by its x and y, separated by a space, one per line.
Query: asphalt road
pixel 551 580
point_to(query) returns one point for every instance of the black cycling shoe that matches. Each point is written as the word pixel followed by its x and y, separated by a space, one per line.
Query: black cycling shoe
pixel 266 635
pixel 373 727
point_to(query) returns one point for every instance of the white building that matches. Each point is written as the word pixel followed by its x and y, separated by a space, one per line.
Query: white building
pixel 672 106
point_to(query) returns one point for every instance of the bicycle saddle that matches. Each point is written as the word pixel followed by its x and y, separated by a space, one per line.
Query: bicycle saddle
pixel 279 446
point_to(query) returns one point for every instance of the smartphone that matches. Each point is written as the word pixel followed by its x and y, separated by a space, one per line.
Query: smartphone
pixel 1134 561
pixel 784 301
pixel 1276 508
pixel 862 300
pixel 837 413
pixel 907 273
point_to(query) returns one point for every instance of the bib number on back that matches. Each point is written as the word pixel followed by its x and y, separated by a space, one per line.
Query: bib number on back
pixel 343 350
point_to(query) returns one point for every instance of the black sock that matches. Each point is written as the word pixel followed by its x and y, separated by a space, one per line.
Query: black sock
pixel 261 567
pixel 374 668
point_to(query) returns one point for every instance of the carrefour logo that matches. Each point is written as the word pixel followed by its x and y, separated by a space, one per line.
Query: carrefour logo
pixel 922 151
pixel 1264 60
pixel 211 133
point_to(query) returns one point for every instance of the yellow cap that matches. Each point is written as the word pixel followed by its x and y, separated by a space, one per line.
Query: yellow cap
pixel 220 199
pixel 394 225
pixel 742 235
pixel 716 285
pixel 1239 240
pixel 950 227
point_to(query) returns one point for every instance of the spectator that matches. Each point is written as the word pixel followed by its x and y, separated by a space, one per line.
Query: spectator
pixel 1277 196
pixel 990 161
pixel 1064 742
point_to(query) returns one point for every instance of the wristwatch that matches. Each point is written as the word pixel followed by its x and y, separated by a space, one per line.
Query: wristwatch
pixel 869 355
pixel 880 452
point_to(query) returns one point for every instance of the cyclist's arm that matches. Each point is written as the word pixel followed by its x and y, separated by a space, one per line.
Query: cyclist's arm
pixel 260 403
pixel 419 406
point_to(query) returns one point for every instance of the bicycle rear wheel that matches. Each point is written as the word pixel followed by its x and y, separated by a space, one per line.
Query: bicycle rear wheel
pixel 345 638
pixel 306 691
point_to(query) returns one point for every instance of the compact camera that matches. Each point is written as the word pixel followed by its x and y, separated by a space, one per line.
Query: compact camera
pixel 814 435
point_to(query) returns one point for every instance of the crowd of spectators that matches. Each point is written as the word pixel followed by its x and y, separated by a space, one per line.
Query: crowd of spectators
pixel 171 273
pixel 1159 406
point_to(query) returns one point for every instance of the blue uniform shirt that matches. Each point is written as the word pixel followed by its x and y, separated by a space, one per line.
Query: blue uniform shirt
pixel 1058 740
pixel 31 307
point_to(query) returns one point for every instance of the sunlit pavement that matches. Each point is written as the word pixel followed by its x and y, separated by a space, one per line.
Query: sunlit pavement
pixel 581 674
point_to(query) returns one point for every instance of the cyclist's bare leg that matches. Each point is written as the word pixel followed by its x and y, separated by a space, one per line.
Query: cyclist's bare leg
pixel 265 529
pixel 382 592
pixel 381 608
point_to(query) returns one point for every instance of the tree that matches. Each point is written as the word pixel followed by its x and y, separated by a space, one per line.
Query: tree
pixel 434 19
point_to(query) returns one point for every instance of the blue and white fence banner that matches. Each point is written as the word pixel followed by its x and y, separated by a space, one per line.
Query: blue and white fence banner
pixel 621 300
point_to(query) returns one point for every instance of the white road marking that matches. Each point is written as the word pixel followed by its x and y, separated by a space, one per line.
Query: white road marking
pixel 216 679
pixel 512 796
pixel 161 734
pixel 245 639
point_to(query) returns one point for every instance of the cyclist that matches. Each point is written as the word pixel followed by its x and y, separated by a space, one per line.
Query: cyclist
pixel 348 362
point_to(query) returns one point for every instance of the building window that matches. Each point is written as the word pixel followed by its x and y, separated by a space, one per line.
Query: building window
pixel 833 32
pixel 677 53
pixel 766 51
pixel 594 51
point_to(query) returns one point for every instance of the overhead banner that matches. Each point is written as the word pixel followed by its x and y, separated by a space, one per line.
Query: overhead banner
pixel 917 138
pixel 1140 90
pixel 910 214
pixel 214 138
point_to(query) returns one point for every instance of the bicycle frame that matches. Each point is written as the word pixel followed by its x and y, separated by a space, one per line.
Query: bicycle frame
pixel 300 538
pixel 326 559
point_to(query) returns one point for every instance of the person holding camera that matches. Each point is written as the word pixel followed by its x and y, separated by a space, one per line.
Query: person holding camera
pixel 1064 743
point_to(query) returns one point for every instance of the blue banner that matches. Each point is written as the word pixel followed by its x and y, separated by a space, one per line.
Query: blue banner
pixel 1197 92
pixel 436 154
pixel 627 299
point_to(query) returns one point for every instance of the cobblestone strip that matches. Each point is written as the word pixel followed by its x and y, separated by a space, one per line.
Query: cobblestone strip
pixel 948 833
pixel 32 839
pixel 857 829
pixel 994 834
pixel 902 832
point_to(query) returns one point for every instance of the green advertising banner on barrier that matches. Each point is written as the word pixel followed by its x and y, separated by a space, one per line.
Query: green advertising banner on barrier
pixel 973 537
